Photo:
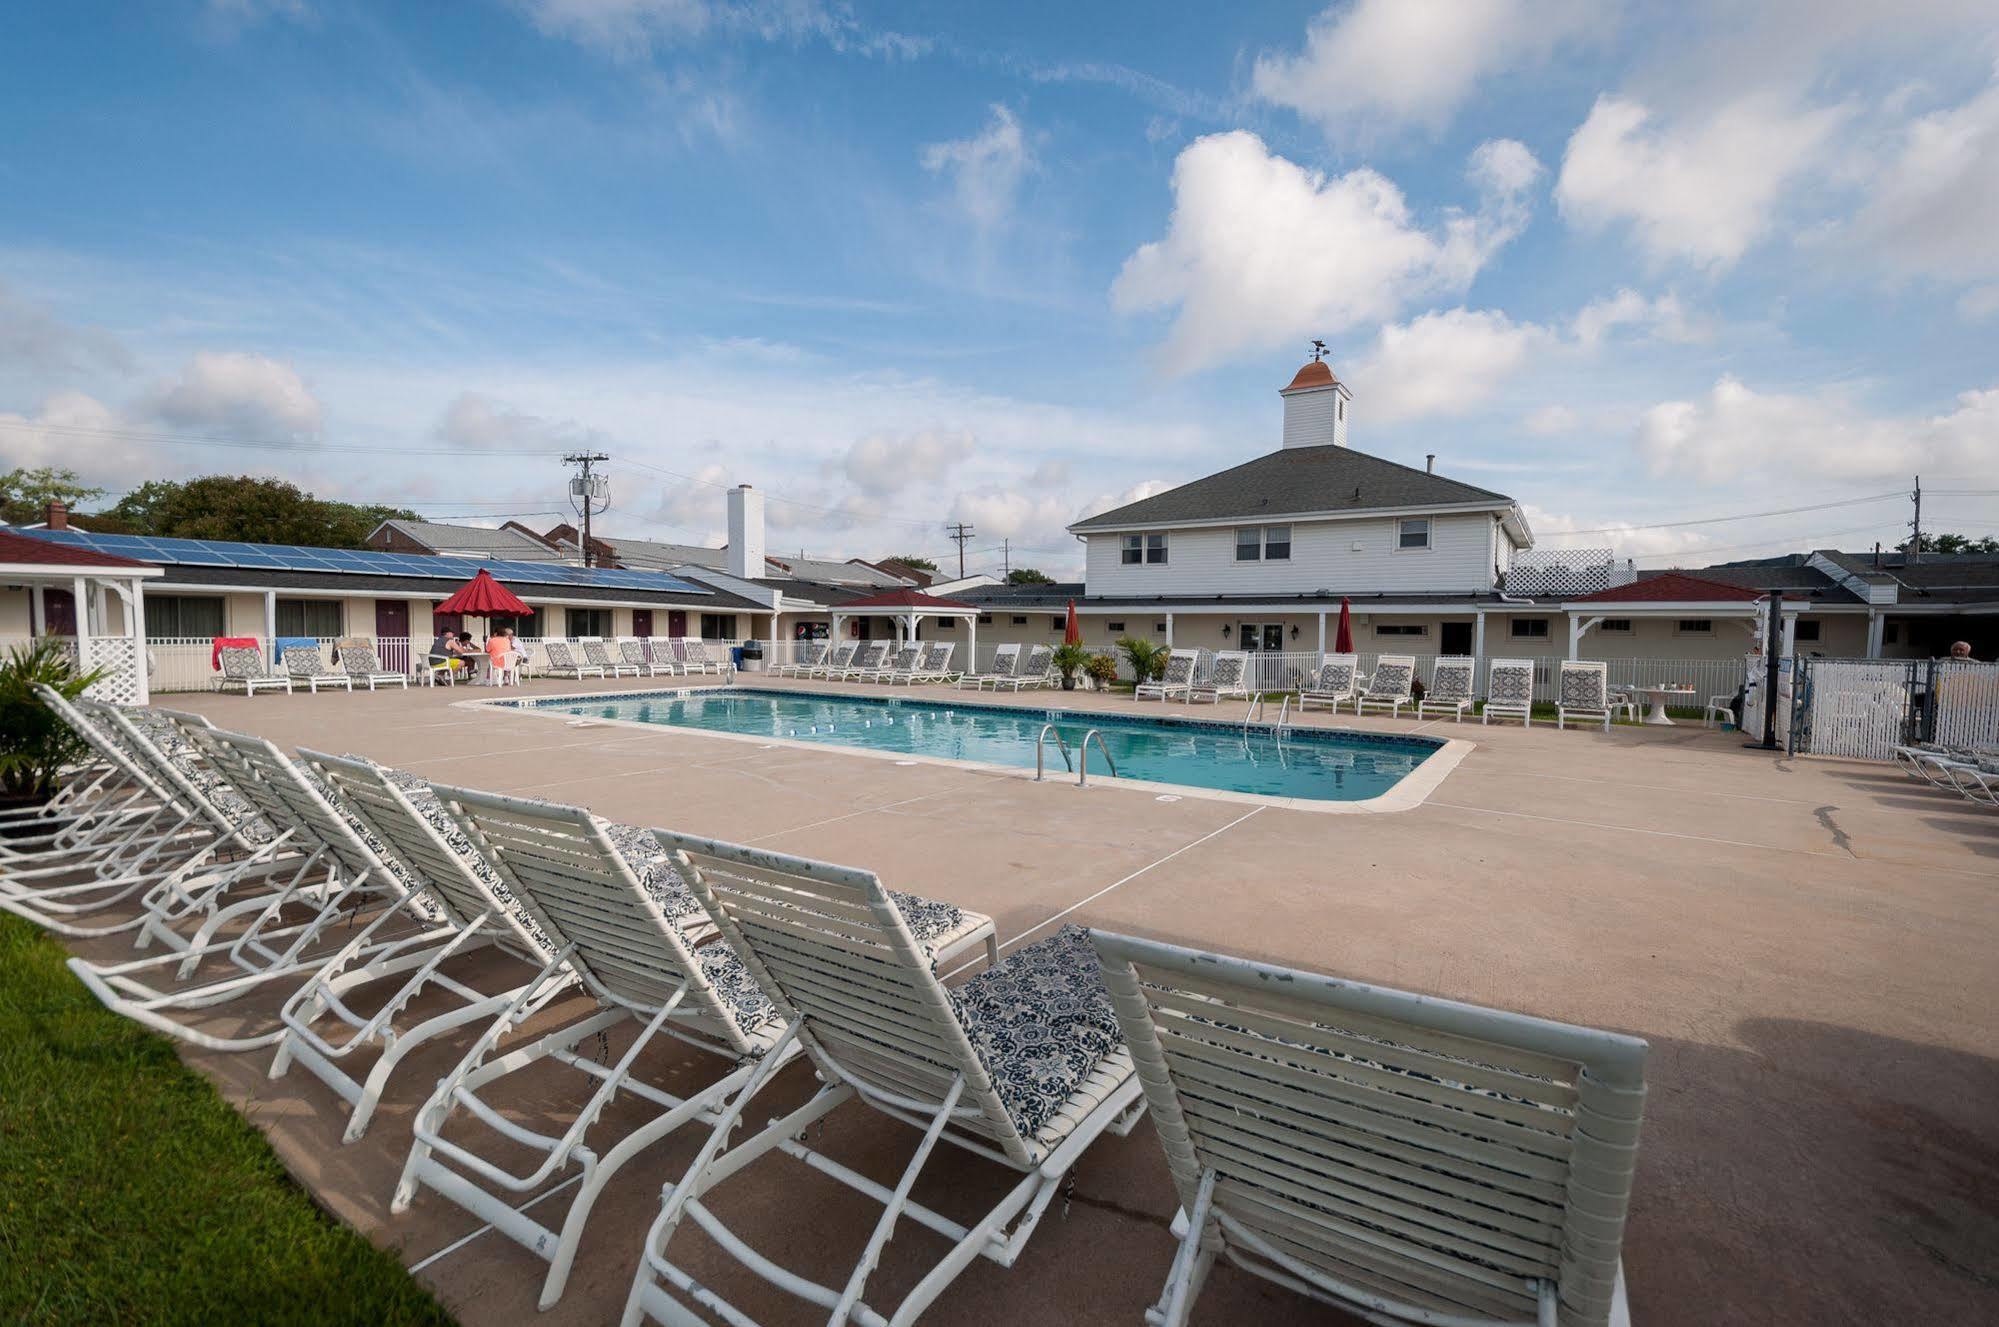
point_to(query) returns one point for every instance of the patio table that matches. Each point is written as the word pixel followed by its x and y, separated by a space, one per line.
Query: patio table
pixel 1659 697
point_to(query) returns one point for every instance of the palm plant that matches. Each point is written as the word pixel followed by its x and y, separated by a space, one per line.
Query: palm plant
pixel 35 744
pixel 1147 658
pixel 1070 660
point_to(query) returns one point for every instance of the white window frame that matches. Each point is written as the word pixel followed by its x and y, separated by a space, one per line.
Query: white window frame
pixel 1693 626
pixel 1131 550
pixel 1269 556
pixel 1165 550
pixel 1429 534
pixel 1254 546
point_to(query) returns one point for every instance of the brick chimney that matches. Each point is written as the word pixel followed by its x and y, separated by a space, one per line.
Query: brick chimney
pixel 56 515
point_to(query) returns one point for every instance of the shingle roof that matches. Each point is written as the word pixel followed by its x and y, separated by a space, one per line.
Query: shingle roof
pixel 1671 587
pixel 710 600
pixel 25 550
pixel 476 540
pixel 907 598
pixel 653 553
pixel 1295 480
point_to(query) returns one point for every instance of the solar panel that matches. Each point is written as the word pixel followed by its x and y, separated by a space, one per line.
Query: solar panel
pixel 296 557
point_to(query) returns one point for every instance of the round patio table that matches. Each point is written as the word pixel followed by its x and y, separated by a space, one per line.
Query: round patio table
pixel 1659 697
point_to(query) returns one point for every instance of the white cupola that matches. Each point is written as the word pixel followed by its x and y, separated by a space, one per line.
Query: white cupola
pixel 1316 405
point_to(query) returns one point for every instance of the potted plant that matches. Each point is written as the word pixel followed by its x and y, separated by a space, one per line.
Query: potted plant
pixel 1148 658
pixel 35 744
pixel 1102 671
pixel 1070 660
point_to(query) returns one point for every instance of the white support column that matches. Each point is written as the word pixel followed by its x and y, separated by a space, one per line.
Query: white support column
pixel 1322 632
pixel 1478 643
pixel 1169 629
pixel 135 623
pixel 971 643
pixel 271 619
pixel 1875 622
pixel 1790 635
pixel 38 610
pixel 80 603
pixel 1575 636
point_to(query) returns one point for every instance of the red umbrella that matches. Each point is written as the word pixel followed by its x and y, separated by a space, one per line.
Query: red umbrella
pixel 1074 634
pixel 484 597
pixel 1343 644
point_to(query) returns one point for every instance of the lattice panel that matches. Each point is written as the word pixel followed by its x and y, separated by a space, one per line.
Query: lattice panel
pixel 1564 571
pixel 123 682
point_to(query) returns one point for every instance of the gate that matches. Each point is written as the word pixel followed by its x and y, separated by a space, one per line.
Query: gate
pixel 1856 709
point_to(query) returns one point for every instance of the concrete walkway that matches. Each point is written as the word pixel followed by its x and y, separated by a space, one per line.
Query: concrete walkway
pixel 1811 947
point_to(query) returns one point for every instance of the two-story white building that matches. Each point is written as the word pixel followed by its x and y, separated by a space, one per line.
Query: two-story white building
pixel 1259 556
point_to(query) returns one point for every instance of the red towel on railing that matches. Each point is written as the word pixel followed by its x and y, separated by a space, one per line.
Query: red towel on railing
pixel 228 643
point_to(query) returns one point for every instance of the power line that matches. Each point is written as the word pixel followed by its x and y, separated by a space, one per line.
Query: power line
pixel 1741 516
pixel 960 532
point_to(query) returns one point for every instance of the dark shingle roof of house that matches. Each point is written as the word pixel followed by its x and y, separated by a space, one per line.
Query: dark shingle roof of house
pixel 477 541
pixel 25 550
pixel 1292 481
pixel 1672 587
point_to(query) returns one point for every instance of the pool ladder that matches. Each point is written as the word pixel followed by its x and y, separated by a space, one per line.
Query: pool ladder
pixel 1256 712
pixel 1082 747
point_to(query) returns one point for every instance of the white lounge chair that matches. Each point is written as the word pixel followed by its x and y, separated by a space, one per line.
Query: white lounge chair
pixel 1403 1158
pixel 1509 691
pixel 243 668
pixel 935 665
pixel 1333 685
pixel 633 651
pixel 1227 676
pixel 868 660
pixel 600 658
pixel 1391 687
pixel 1176 680
pixel 694 657
pixel 807 656
pixel 1450 687
pixel 1032 672
pixel 562 663
pixel 1005 659
pixel 407 844
pixel 361 663
pixel 904 663
pixel 1021 1066
pixel 1584 692
pixel 306 664
pixel 101 806
pixel 836 663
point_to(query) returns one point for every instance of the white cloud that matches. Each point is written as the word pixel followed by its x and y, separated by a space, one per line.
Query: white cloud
pixel 34 338
pixel 67 432
pixel 1934 207
pixel 1700 188
pixel 241 392
pixel 1550 420
pixel 1735 431
pixel 1008 514
pixel 883 463
pixel 1412 62
pixel 479 423
pixel 1503 166
pixel 1625 539
pixel 1260 251
pixel 1104 502
pixel 632 28
pixel 1663 318
pixel 1443 363
pixel 985 169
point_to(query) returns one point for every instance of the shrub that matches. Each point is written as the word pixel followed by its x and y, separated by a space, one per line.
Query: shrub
pixel 35 743
pixel 1101 669
pixel 1148 658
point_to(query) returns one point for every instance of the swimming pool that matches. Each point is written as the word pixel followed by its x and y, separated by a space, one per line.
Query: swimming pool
pixel 1214 756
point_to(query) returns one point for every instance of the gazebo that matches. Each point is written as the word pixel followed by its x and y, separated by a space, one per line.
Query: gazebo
pixel 90 580
pixel 907 608
pixel 1677 595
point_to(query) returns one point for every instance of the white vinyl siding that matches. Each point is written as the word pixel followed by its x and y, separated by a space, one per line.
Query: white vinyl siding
pixel 1322 556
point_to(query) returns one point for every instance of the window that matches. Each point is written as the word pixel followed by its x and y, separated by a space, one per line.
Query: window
pixel 947 624
pixel 1020 621
pixel 1155 548
pixel 1615 626
pixel 718 626
pixel 1694 626
pixel 1807 630
pixel 588 621
pixel 1116 628
pixel 1159 627
pixel 1413 533
pixel 1530 628
pixel 1401 629
pixel 309 617
pixel 1891 633
pixel 1276 543
pixel 1249 544
pixel 1134 549
pixel 1058 623
pixel 985 619
pixel 169 615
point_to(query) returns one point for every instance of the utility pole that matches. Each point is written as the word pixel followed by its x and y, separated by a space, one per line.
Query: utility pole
pixel 1916 526
pixel 960 532
pixel 588 492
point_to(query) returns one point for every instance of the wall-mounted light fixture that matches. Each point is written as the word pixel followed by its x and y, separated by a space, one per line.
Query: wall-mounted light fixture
pixel 1294 631
pixel 1225 631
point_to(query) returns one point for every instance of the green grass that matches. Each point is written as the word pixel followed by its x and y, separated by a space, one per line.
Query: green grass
pixel 131 1192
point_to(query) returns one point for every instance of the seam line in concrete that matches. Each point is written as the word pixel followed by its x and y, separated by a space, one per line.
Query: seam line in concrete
pixel 864 811
pixel 1633 829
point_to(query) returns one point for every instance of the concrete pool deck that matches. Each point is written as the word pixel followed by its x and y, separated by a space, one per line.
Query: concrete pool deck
pixel 1811 947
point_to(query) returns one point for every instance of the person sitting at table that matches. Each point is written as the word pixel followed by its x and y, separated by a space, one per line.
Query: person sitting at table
pixel 500 654
pixel 444 651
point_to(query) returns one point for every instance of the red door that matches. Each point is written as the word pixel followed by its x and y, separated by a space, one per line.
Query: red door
pixel 642 622
pixel 676 622
pixel 392 618
pixel 60 607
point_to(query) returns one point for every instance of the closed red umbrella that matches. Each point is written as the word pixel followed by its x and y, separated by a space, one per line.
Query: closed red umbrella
pixel 1074 634
pixel 483 596
pixel 1343 643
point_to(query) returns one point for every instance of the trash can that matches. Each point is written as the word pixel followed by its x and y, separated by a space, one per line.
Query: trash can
pixel 750 657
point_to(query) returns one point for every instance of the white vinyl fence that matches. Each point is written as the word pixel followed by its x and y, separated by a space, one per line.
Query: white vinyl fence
pixel 1965 704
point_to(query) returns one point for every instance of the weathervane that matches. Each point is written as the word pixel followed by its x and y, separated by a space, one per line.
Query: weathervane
pixel 1318 350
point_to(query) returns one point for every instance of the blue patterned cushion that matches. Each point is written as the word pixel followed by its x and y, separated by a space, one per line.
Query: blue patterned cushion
pixel 1040 1021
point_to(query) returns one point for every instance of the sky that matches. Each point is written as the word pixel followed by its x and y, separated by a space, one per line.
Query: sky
pixel 1694 282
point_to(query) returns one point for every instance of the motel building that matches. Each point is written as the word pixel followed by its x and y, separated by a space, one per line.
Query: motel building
pixel 1258 558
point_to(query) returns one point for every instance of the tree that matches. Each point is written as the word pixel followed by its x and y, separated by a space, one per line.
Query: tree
pixel 246 508
pixel 24 494
pixel 915 560
pixel 1954 543
pixel 1028 576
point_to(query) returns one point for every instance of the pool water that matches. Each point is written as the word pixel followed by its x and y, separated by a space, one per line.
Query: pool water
pixel 1312 764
